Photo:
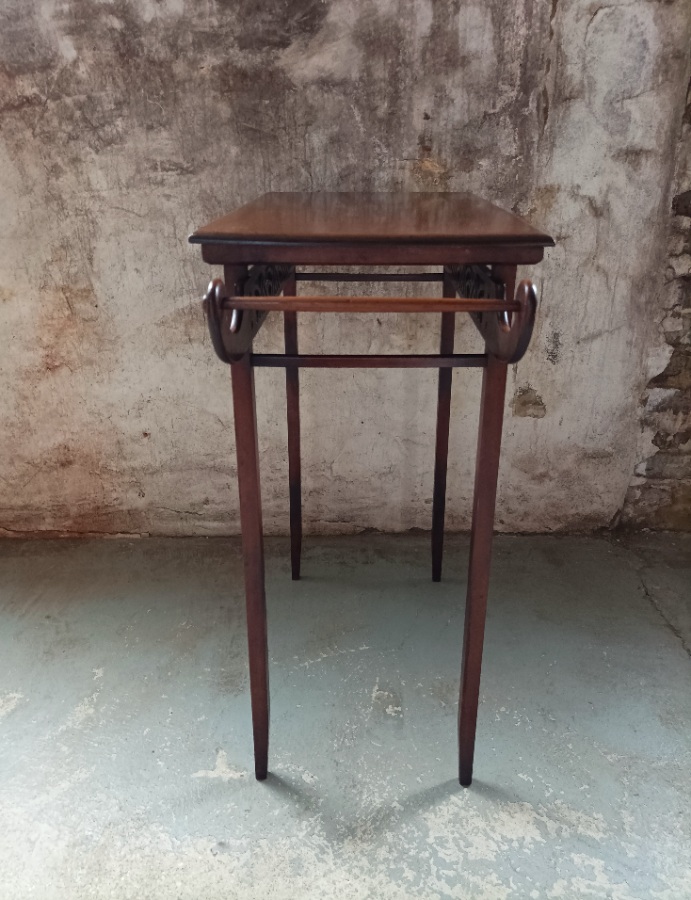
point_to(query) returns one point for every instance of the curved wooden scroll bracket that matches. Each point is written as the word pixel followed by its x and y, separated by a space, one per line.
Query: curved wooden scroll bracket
pixel 506 334
pixel 214 304
pixel 232 330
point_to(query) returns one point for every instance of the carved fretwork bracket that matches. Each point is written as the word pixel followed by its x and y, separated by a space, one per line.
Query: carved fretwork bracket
pixel 233 330
pixel 506 334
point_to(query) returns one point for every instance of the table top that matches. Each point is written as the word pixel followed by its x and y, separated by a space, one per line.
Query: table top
pixel 376 218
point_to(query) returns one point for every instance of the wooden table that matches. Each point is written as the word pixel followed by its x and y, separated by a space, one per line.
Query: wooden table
pixel 477 247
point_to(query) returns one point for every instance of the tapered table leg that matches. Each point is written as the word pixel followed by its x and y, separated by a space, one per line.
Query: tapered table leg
pixel 290 327
pixel 486 471
pixel 247 449
pixel 448 322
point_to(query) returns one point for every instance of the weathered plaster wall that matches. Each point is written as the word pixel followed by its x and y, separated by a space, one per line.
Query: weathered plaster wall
pixel 126 124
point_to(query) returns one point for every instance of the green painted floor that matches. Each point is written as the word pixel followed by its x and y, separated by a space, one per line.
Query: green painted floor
pixel 125 743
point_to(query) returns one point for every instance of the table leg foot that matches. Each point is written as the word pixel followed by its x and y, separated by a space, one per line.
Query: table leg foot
pixel 249 489
pixel 485 493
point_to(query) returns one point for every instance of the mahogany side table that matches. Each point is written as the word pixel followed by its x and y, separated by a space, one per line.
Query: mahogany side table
pixel 478 247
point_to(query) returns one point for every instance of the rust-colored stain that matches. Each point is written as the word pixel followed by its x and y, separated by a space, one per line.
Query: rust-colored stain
pixel 542 201
pixel 431 174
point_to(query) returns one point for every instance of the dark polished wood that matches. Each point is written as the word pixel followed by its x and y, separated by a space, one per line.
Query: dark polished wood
pixel 249 489
pixel 507 336
pixel 370 361
pixel 370 276
pixel 290 330
pixel 231 327
pixel 481 534
pixel 392 218
pixel 461 233
pixel 329 303
pixel 367 254
pixel 441 452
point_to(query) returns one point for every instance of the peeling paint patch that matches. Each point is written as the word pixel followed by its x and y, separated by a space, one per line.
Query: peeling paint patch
pixel 595 879
pixel 221 770
pixel 386 700
pixel 9 702
pixel 527 402
pixel 333 651
pixel 483 838
pixel 81 713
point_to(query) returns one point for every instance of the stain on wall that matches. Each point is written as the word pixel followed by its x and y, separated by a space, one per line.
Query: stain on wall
pixel 124 125
pixel 527 402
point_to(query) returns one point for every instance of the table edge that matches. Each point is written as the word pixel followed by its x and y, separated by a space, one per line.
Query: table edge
pixel 369 254
pixel 538 239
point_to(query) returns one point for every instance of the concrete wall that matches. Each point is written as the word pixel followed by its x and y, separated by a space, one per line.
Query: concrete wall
pixel 126 124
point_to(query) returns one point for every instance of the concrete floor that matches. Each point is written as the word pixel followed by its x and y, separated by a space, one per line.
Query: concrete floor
pixel 125 748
